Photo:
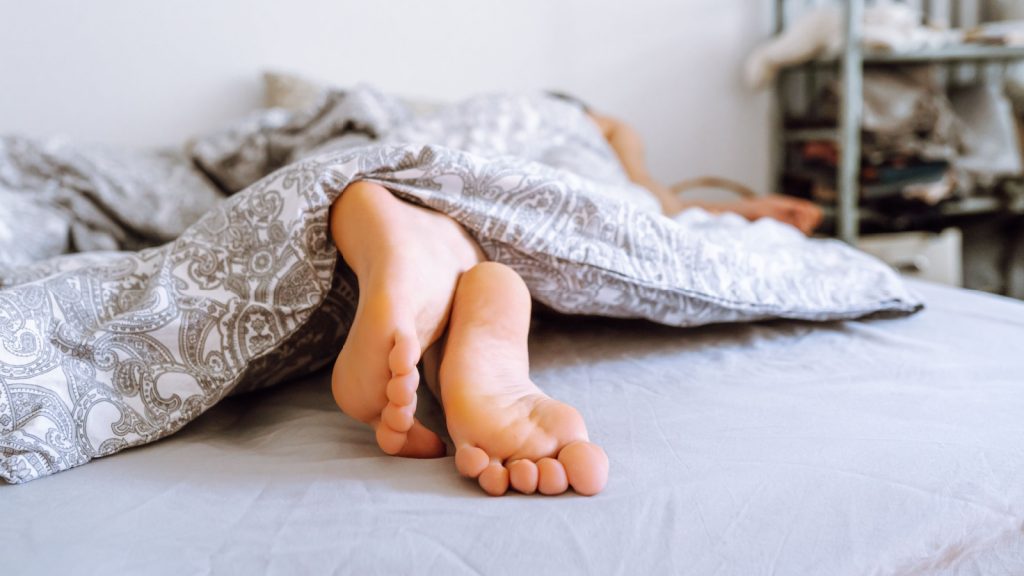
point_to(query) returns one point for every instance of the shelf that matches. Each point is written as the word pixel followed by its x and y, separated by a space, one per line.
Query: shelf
pixel 949 54
pixel 982 205
pixel 847 219
pixel 960 53
pixel 969 206
pixel 959 207
pixel 811 134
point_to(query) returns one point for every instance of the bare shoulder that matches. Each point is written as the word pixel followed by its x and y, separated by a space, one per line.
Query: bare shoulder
pixel 607 124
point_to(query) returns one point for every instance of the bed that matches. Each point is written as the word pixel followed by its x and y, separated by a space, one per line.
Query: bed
pixel 882 446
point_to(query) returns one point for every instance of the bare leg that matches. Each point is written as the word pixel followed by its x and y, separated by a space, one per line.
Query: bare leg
pixel 505 429
pixel 407 260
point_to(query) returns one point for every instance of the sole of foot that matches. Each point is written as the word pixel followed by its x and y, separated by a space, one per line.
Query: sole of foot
pixel 506 431
pixel 408 261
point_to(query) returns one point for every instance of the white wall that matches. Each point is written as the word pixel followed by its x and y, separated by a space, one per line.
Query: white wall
pixel 155 72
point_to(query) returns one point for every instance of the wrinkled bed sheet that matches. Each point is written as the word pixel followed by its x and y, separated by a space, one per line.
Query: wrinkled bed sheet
pixel 858 447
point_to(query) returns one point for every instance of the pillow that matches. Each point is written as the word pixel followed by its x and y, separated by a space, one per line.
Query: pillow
pixel 289 91
pixel 293 92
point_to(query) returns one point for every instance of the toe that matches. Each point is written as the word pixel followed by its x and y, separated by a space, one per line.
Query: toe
pixel 551 478
pixel 494 479
pixel 417 442
pixel 523 476
pixel 471 461
pixel 422 442
pixel 397 417
pixel 586 467
pixel 405 354
pixel 402 389
pixel 390 440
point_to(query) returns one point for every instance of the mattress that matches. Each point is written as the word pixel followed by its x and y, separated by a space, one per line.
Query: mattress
pixel 881 446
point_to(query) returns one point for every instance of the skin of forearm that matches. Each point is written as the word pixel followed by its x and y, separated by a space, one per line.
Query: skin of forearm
pixel 628 146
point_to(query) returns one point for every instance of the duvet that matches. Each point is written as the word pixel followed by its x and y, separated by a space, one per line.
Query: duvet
pixel 104 350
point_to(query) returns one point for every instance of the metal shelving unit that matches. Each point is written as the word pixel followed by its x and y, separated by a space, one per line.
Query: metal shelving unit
pixel 965 53
pixel 847 133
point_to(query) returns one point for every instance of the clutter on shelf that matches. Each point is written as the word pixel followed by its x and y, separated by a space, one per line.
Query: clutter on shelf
pixel 819 33
pixel 931 139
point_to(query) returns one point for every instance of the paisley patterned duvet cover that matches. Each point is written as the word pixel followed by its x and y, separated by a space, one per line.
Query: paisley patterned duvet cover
pixel 101 351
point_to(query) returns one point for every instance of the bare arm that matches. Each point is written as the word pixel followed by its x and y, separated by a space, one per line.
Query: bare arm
pixel 628 146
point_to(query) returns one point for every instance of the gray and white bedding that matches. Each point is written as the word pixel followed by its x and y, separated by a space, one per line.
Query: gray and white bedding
pixel 102 351
pixel 853 448
pixel 58 197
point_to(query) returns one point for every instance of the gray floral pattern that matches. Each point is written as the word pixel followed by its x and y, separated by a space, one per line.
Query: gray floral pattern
pixel 57 197
pixel 107 350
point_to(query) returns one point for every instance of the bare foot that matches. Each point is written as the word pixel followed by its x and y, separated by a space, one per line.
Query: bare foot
pixel 408 260
pixel 505 429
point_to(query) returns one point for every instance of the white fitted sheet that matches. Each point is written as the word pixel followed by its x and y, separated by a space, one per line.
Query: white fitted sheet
pixel 886 446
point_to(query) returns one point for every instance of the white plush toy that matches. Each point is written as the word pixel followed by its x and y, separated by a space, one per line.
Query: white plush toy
pixel 888 25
